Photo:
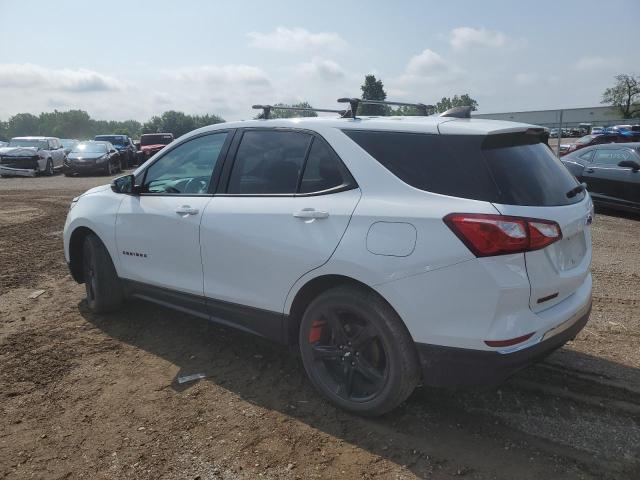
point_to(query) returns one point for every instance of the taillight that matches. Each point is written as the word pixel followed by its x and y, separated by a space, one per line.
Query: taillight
pixel 488 235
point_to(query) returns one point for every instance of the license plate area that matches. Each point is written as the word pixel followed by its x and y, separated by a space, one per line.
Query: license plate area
pixel 570 251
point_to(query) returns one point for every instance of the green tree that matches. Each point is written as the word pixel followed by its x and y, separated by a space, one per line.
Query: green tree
pixel 78 124
pixel 178 123
pixel 23 124
pixel 456 101
pixel 4 131
pixel 373 89
pixel 275 113
pixel 624 95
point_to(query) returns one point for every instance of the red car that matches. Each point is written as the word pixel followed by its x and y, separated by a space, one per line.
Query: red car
pixel 152 143
pixel 589 140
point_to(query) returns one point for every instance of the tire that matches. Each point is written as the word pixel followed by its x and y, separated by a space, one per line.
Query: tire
pixel 48 170
pixel 357 351
pixel 103 287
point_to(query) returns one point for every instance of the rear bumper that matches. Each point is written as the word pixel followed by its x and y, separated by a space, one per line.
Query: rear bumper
pixel 461 367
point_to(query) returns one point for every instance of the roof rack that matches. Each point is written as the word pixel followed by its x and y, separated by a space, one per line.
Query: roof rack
pixel 355 102
pixel 266 110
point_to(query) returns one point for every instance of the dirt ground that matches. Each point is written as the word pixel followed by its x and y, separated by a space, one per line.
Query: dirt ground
pixel 89 396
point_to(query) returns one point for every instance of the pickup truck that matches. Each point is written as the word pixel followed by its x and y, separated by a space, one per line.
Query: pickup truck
pixel 152 143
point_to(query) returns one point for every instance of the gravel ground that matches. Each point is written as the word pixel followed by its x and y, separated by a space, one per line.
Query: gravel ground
pixel 96 396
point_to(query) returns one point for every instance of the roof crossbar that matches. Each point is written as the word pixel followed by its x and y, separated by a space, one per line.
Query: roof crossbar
pixel 355 102
pixel 266 110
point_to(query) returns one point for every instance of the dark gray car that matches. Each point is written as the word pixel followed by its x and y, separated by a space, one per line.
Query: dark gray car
pixel 611 172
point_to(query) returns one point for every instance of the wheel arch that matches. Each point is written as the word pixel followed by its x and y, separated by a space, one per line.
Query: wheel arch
pixel 76 242
pixel 310 290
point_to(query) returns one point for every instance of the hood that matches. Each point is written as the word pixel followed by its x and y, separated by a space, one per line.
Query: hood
pixel 100 188
pixel 18 151
pixel 85 156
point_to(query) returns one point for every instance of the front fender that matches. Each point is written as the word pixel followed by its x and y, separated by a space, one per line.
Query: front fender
pixel 97 212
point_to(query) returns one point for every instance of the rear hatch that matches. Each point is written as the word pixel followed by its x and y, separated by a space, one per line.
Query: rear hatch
pixel 533 183
pixel 514 169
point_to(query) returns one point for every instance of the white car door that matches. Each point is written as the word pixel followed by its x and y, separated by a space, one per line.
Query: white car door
pixel 158 230
pixel 273 224
pixel 57 153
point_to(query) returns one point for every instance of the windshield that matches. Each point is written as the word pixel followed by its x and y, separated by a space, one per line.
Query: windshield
pixel 115 139
pixel 68 143
pixel 90 147
pixel 159 139
pixel 18 142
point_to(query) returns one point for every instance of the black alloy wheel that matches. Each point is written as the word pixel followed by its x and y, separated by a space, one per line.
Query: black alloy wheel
pixel 357 351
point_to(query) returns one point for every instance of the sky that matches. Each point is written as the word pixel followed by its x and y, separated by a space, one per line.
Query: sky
pixel 133 59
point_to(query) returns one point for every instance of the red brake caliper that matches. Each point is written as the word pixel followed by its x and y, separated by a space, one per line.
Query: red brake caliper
pixel 316 331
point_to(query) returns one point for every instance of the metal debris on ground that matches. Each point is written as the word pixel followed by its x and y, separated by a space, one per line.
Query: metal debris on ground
pixel 191 378
pixel 36 293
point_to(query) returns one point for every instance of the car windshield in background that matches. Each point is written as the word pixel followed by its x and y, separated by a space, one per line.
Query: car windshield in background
pixel 90 148
pixel 68 143
pixel 156 140
pixel 585 139
pixel 516 169
pixel 114 139
pixel 40 144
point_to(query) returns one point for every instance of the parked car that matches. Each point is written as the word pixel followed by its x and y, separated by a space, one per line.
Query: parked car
pixel 124 145
pixel 611 173
pixel 389 251
pixel 597 130
pixel 553 133
pixel 68 144
pixel 93 157
pixel 152 143
pixel 3 144
pixel 592 139
pixel 29 156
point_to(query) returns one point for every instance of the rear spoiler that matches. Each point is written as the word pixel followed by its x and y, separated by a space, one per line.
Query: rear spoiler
pixel 529 136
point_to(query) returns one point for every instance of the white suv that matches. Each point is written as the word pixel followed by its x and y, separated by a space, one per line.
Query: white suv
pixel 391 251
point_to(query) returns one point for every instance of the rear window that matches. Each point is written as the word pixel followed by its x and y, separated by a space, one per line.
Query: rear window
pixel 513 169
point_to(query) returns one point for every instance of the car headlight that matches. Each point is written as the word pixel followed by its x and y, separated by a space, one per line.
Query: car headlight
pixel 74 202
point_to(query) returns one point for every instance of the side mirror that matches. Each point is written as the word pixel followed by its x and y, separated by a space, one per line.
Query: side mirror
pixel 113 150
pixel 125 184
pixel 632 164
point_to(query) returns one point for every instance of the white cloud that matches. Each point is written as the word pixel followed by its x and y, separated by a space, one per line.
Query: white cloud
pixel 223 74
pixel 295 40
pixel 464 37
pixel 594 63
pixel 321 68
pixel 426 63
pixel 80 80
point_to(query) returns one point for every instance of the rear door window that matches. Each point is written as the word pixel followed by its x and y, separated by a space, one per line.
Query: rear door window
pixel 512 169
pixel 268 162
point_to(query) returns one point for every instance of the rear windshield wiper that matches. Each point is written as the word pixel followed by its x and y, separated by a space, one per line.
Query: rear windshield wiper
pixel 576 190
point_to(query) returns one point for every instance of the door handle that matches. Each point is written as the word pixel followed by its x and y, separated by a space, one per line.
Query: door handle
pixel 187 210
pixel 311 213
pixel 590 170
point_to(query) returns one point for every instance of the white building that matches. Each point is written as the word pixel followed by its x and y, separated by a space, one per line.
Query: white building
pixel 571 117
